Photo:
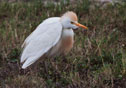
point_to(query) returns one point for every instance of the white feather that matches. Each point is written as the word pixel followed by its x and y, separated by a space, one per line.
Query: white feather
pixel 67 32
pixel 40 29
pixel 41 40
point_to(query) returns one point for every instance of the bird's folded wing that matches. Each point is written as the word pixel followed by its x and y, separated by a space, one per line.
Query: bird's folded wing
pixel 42 28
pixel 41 43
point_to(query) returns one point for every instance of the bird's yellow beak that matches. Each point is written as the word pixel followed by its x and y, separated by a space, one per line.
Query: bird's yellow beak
pixel 80 25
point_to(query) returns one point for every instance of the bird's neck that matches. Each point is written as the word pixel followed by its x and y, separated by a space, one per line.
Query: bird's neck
pixel 67 32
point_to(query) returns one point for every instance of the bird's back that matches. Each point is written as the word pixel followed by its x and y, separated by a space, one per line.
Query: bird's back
pixel 40 30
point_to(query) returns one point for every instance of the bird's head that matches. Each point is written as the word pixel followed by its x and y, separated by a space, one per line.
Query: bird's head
pixel 69 20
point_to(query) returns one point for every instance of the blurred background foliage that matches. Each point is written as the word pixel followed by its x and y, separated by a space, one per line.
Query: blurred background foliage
pixel 97 60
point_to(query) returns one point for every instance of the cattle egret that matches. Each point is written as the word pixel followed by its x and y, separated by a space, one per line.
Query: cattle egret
pixel 54 36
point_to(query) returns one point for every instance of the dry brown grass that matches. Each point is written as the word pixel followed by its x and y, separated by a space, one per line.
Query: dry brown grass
pixel 98 59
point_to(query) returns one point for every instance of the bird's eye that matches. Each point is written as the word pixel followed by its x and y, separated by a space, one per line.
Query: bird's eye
pixel 72 22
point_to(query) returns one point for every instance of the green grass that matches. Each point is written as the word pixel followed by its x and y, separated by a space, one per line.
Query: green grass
pixel 97 60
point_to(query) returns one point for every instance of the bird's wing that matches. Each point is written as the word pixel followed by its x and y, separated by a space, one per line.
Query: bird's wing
pixel 39 44
pixel 40 30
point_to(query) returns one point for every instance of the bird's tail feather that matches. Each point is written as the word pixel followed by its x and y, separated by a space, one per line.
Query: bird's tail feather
pixel 28 62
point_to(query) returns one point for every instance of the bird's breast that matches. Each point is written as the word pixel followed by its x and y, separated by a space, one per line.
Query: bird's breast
pixel 67 40
pixel 64 45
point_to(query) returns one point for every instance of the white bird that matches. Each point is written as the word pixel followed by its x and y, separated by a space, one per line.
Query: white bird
pixel 54 36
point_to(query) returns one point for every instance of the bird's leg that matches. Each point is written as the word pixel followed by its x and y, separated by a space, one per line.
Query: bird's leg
pixel 46 66
pixel 56 69
pixel 55 64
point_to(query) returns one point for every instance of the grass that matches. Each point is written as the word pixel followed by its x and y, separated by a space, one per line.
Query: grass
pixel 97 60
